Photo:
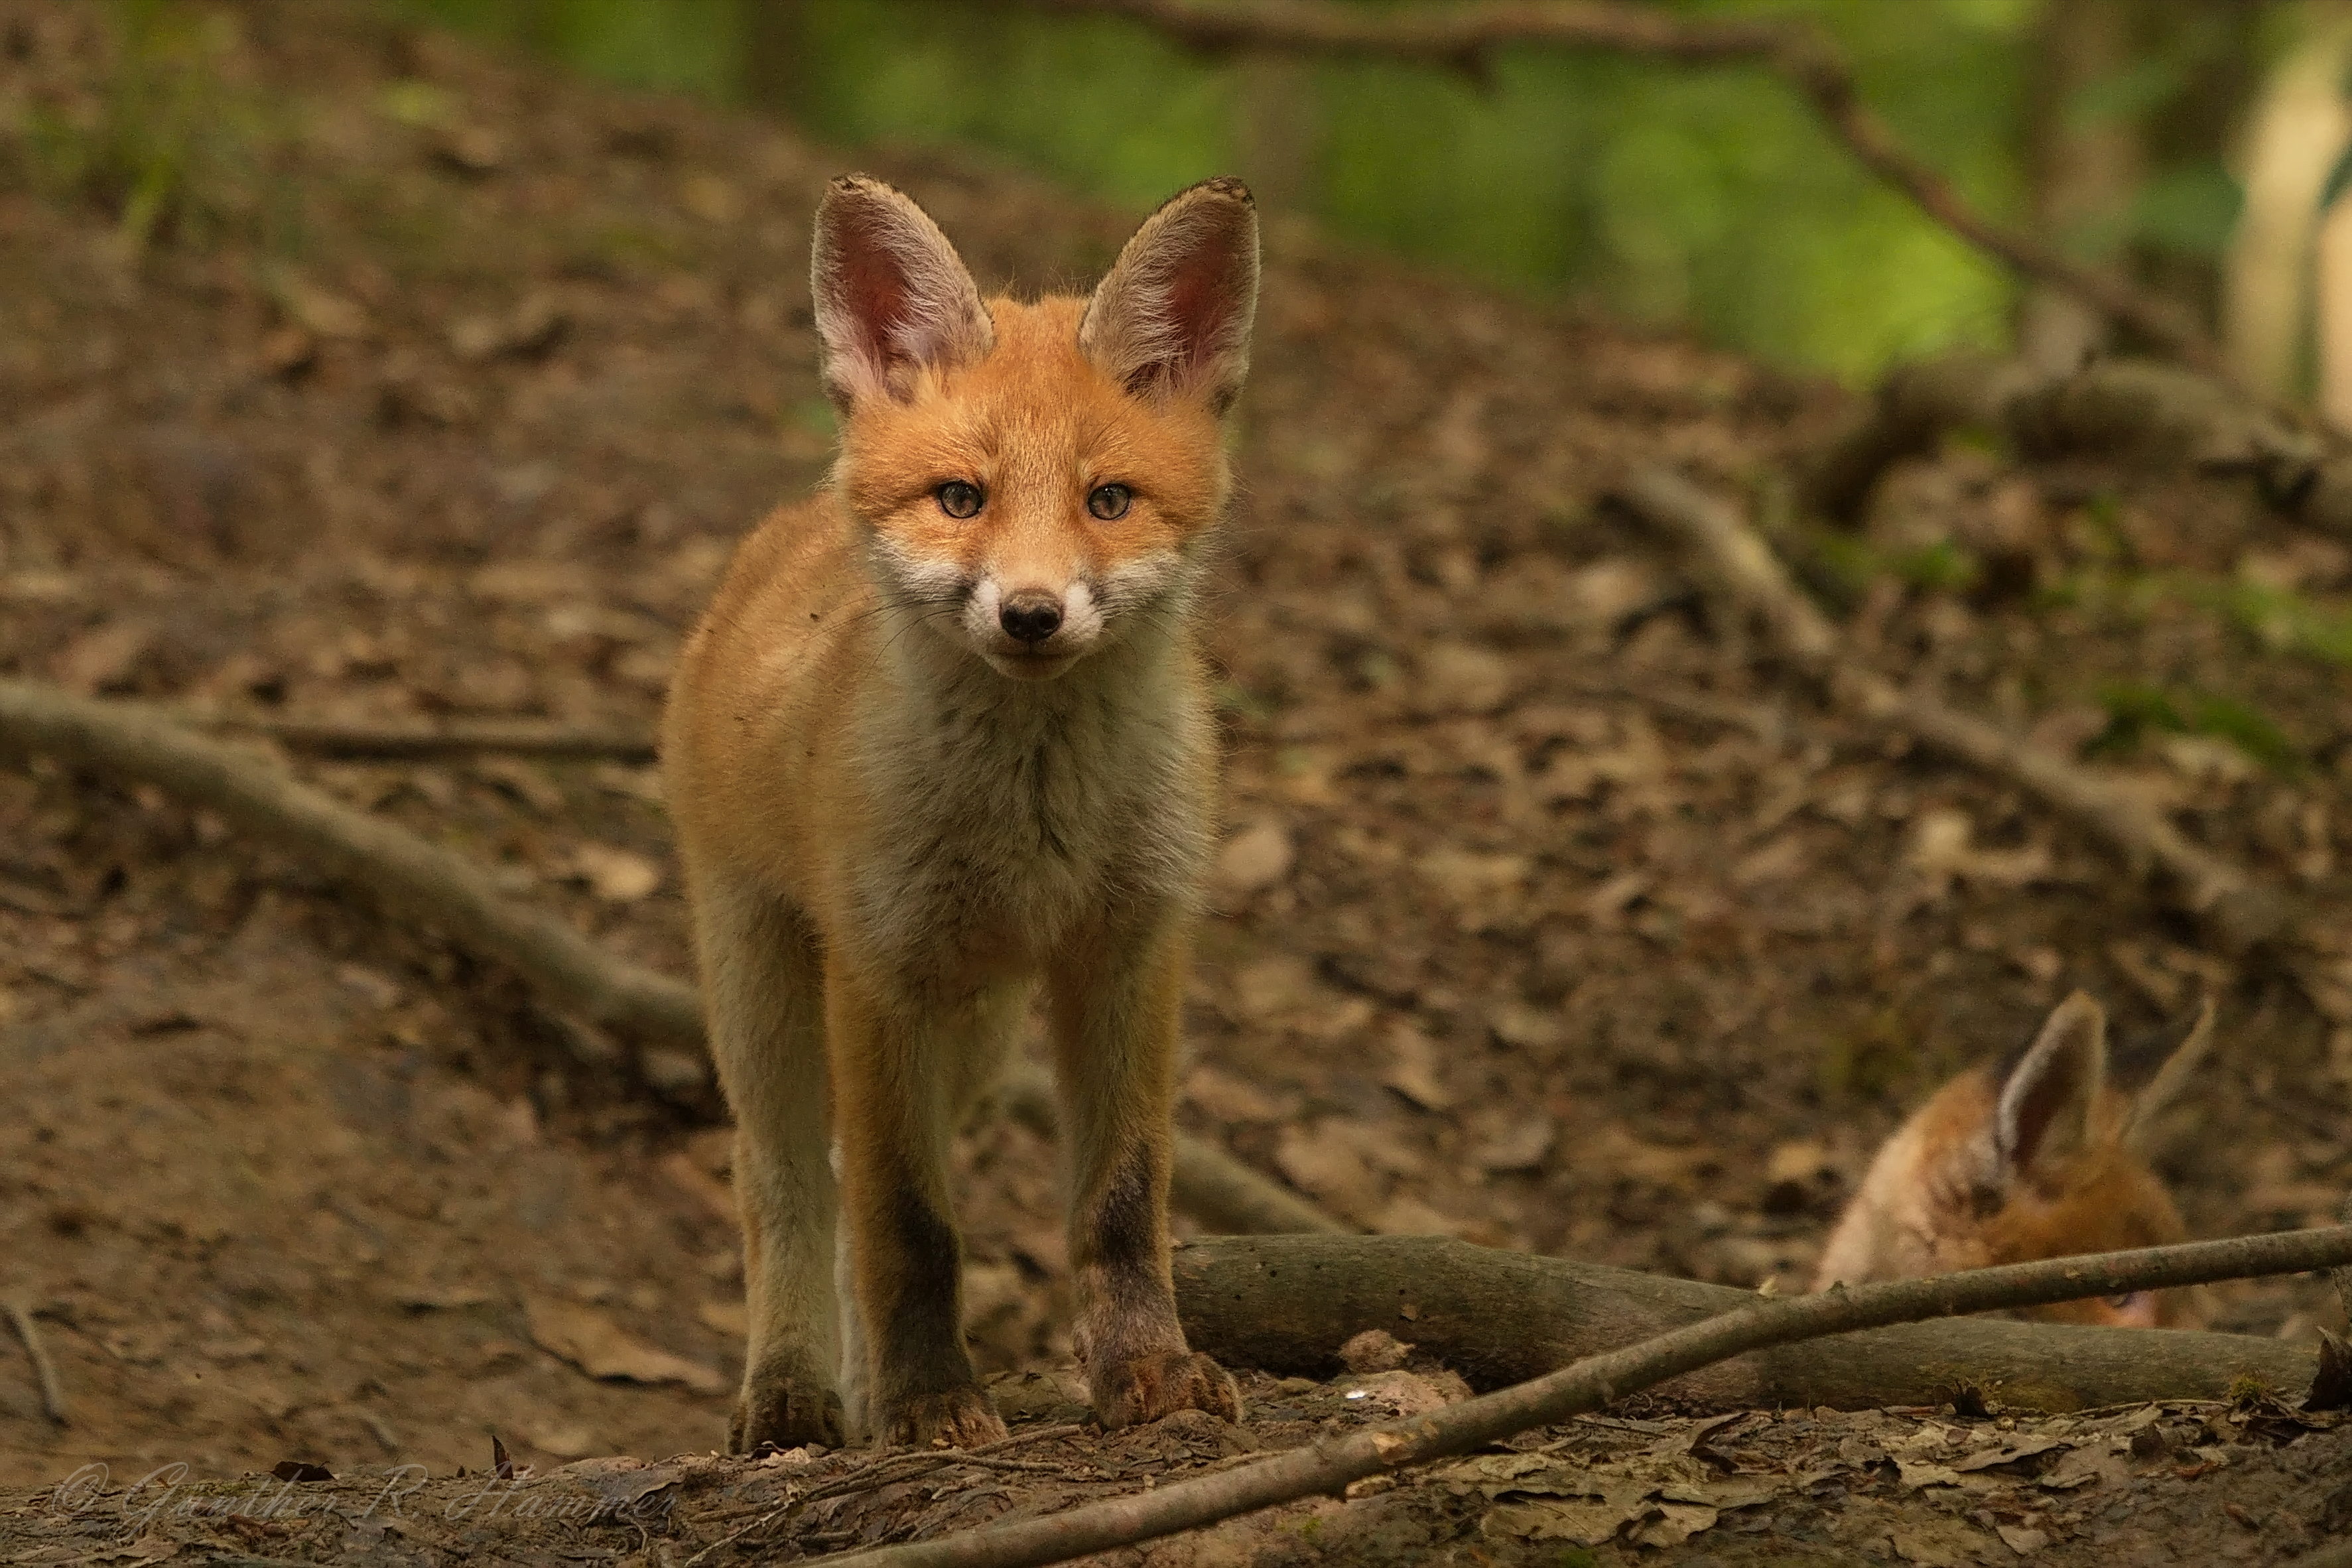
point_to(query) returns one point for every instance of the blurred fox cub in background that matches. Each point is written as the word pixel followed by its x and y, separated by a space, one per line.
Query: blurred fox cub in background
pixel 944 735
pixel 2043 1161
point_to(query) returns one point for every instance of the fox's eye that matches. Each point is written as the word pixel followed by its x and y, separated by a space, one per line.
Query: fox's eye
pixel 960 498
pixel 2126 1302
pixel 1108 503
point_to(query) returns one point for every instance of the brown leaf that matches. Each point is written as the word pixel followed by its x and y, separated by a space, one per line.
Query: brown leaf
pixel 1457 678
pixel 1936 1543
pixel 1413 1067
pixel 2331 1386
pixel 1672 1523
pixel 617 876
pixel 599 1347
pixel 2009 1453
pixel 101 660
pixel 1256 857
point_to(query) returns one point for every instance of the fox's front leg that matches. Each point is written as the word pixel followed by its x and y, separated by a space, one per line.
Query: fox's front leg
pixel 763 979
pixel 898 1068
pixel 1117 1005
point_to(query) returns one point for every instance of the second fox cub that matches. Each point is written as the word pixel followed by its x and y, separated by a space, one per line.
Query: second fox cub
pixel 944 735
pixel 2043 1161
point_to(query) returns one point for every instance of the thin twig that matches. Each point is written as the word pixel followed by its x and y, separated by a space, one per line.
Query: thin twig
pixel 53 1390
pixel 864 1478
pixel 2239 910
pixel 445 892
pixel 2342 1278
pixel 1328 1466
pixel 1464 35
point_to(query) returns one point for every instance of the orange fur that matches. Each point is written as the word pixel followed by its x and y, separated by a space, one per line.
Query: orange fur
pixel 1955 1187
pixel 902 807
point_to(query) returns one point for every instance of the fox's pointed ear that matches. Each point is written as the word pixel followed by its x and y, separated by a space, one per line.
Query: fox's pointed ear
pixel 2148 1106
pixel 892 295
pixel 1173 315
pixel 2046 1103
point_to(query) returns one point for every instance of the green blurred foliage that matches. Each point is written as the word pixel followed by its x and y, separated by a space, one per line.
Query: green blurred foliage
pixel 171 150
pixel 2136 709
pixel 1700 197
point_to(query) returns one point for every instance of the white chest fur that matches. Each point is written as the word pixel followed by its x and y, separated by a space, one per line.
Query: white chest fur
pixel 1017 811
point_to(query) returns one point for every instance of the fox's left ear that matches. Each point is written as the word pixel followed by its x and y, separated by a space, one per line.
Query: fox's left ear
pixel 1174 314
pixel 2047 1101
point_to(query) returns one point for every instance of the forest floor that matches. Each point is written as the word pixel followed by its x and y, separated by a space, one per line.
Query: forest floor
pixel 1554 916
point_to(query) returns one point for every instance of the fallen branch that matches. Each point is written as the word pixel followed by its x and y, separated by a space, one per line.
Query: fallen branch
pixel 2158 416
pixel 1463 35
pixel 45 1371
pixel 1330 1466
pixel 411 878
pixel 450 737
pixel 1286 1304
pixel 2238 911
pixel 404 874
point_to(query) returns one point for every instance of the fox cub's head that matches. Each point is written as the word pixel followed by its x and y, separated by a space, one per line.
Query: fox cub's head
pixel 2043 1161
pixel 1034 480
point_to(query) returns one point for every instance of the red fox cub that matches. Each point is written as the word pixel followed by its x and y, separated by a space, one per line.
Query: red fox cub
pixel 2043 1162
pixel 943 737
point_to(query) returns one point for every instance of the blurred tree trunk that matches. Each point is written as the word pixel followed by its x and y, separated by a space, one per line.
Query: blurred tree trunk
pixel 2131 99
pixel 2298 126
pixel 2084 166
pixel 2216 48
pixel 774 41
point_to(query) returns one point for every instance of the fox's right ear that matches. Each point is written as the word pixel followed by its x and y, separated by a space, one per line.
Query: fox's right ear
pixel 1174 313
pixel 892 295
pixel 2047 1101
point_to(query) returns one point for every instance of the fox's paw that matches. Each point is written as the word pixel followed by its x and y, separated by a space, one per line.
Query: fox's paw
pixel 779 1407
pixel 959 1418
pixel 1130 1393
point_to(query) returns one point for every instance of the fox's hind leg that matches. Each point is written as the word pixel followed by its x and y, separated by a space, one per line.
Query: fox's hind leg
pixel 764 983
pixel 1116 1006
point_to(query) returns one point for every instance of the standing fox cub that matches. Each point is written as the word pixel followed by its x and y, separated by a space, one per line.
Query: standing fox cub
pixel 2043 1161
pixel 942 736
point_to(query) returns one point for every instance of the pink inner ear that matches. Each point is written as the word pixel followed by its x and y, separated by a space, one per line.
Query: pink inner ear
pixel 1200 302
pixel 874 290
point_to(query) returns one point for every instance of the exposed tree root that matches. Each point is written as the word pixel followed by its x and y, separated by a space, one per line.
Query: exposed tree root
pixel 2157 414
pixel 450 737
pixel 417 881
pixel 1331 1466
pixel 1463 35
pixel 2239 912
pixel 1286 1304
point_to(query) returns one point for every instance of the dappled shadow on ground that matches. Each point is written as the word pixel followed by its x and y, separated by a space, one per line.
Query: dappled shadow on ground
pixel 1550 918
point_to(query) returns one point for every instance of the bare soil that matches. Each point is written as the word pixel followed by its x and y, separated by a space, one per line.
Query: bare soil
pixel 1553 918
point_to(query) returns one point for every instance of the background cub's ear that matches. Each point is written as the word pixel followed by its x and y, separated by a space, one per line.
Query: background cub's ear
pixel 1174 313
pixel 892 295
pixel 2142 1127
pixel 2046 1103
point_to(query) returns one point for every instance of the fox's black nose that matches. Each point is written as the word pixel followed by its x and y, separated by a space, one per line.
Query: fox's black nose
pixel 1031 617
